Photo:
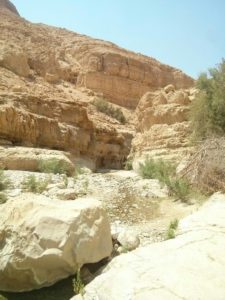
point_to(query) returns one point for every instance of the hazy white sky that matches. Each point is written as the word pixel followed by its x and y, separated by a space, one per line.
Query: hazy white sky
pixel 187 34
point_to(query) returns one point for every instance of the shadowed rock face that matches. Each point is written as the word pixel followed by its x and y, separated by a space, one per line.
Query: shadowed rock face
pixel 8 5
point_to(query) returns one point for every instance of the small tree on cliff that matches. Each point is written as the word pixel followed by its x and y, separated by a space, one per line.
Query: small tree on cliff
pixel 207 113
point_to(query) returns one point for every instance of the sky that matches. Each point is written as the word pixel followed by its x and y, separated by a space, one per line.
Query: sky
pixel 186 34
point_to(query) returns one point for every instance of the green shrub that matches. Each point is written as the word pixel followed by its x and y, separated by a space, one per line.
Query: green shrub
pixel 3 199
pixel 207 113
pixel 179 188
pixel 53 165
pixel 78 285
pixel 157 169
pixel 165 172
pixel 33 185
pixel 171 231
pixel 174 224
pixel 3 298
pixel 4 181
pixel 106 108
pixel 170 234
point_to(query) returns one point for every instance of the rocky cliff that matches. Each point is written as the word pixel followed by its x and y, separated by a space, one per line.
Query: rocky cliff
pixel 49 79
pixel 162 126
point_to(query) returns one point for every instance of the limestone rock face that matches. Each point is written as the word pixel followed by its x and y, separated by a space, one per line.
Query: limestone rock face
pixel 43 241
pixel 191 266
pixel 120 75
pixel 14 60
pixel 50 77
pixel 162 125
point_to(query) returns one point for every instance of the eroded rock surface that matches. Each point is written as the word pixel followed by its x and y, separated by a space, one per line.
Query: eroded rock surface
pixel 191 266
pixel 49 78
pixel 163 128
pixel 43 241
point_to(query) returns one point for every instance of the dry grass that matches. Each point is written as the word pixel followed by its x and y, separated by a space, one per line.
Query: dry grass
pixel 206 168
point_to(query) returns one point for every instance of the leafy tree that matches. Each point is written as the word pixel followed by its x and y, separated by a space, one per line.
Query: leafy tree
pixel 207 112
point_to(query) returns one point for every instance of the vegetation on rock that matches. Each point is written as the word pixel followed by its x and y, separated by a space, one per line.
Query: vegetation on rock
pixel 106 108
pixel 171 231
pixel 78 285
pixel 54 166
pixel 34 185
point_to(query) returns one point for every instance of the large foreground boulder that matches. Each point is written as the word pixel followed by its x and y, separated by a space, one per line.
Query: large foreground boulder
pixel 43 241
pixel 191 266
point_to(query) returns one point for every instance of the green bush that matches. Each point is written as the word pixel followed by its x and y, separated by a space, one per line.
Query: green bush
pixel 2 298
pixel 207 113
pixel 157 169
pixel 179 188
pixel 165 172
pixel 171 231
pixel 106 108
pixel 170 234
pixel 174 224
pixel 4 181
pixel 33 185
pixel 53 165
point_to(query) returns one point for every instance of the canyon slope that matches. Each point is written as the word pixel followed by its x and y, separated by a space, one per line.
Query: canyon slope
pixel 50 79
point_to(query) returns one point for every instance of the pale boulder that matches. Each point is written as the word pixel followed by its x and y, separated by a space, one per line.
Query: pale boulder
pixel 43 241
pixel 128 240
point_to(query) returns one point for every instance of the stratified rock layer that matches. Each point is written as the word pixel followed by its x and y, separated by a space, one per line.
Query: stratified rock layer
pixel 49 78
pixel 162 124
